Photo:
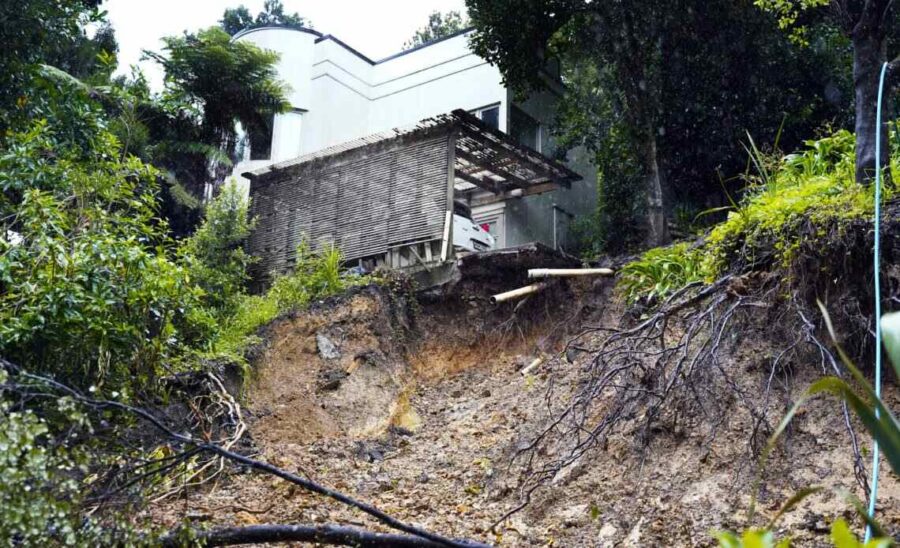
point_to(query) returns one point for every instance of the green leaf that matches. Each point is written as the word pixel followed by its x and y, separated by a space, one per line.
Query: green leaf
pixel 841 535
pixel 758 539
pixel 727 540
pixel 863 513
pixel 793 502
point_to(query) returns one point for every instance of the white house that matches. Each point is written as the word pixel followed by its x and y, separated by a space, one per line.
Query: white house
pixel 338 94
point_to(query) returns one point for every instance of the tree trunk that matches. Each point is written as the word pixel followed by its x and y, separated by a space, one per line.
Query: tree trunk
pixel 869 54
pixel 657 229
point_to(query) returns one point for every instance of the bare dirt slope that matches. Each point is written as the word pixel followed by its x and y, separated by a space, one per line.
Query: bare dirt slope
pixel 418 409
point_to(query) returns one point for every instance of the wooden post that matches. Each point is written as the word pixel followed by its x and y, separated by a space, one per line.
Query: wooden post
pixel 447 246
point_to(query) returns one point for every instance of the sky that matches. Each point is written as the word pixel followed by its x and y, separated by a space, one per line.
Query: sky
pixel 376 29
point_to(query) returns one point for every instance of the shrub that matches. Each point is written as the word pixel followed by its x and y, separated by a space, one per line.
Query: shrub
pixel 88 287
pixel 315 276
pixel 215 253
pixel 791 197
pixel 815 190
pixel 40 494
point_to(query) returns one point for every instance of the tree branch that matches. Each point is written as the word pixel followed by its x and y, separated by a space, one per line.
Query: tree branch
pixel 842 15
pixel 235 457
pixel 321 534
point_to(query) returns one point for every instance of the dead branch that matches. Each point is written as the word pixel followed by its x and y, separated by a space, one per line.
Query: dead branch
pixel 215 449
pixel 321 534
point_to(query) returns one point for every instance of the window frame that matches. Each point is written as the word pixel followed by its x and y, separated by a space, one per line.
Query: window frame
pixel 479 113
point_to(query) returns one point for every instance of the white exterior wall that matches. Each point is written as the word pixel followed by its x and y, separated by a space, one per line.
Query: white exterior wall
pixel 533 218
pixel 339 95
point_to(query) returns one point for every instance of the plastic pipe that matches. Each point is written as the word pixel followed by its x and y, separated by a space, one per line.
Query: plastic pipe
pixel 518 293
pixel 568 272
pixel 873 497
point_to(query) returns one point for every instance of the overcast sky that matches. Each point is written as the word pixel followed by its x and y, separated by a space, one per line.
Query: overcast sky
pixel 375 28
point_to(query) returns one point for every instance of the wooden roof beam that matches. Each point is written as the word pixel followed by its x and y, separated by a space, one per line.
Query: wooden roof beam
pixel 492 138
pixel 484 183
pixel 511 178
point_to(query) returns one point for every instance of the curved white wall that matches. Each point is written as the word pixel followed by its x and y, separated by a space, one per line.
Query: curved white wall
pixel 297 51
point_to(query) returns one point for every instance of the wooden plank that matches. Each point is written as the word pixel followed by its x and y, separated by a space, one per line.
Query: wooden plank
pixel 532 160
pixel 530 191
pixel 486 184
pixel 511 178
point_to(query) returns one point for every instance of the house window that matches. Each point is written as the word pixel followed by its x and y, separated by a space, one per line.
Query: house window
pixel 524 129
pixel 261 139
pixel 489 115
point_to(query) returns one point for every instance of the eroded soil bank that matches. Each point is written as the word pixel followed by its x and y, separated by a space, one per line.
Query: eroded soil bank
pixel 417 408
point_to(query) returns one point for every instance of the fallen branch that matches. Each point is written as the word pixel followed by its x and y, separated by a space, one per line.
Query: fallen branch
pixel 321 534
pixel 235 457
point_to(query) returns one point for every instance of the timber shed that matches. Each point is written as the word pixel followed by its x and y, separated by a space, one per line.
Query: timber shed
pixel 388 199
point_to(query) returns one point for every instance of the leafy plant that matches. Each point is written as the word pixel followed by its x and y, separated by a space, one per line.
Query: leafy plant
pixel 39 488
pixel 659 272
pixel 814 191
pixel 85 266
pixel 316 276
pixel 215 253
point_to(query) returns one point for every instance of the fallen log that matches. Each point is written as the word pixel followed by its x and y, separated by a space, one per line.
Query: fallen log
pixel 320 534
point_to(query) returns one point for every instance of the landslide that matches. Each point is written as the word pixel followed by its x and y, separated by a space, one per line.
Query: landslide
pixel 419 406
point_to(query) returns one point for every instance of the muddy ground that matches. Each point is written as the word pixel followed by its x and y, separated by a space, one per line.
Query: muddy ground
pixel 417 408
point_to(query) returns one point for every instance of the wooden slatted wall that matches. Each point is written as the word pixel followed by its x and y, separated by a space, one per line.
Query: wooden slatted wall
pixel 363 201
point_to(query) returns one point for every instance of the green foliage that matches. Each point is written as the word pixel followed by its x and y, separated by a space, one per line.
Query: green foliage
pixel 588 116
pixel 39 488
pixel 227 81
pixel 659 272
pixel 316 276
pixel 643 76
pixel 439 25
pixel 235 20
pixel 189 130
pixel 789 12
pixel 84 269
pixel 814 188
pixel 841 537
pixel 215 253
pixel 812 191
pixel 32 33
pixel 751 538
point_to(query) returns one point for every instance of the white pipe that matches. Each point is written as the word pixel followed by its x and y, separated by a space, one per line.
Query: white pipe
pixel 568 272
pixel 518 293
pixel 532 366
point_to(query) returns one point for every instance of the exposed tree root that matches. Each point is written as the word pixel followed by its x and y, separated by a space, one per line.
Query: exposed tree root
pixel 670 372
